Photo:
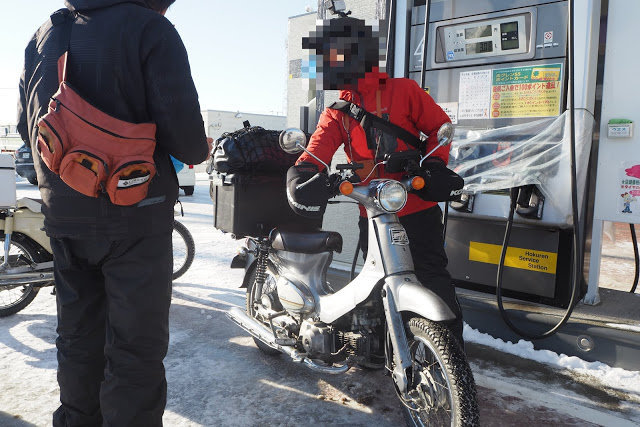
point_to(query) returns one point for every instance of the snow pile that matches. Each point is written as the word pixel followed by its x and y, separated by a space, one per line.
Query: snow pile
pixel 617 378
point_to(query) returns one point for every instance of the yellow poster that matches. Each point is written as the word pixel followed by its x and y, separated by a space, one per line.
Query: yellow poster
pixel 532 91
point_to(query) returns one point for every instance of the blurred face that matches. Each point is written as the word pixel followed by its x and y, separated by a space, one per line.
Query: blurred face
pixel 342 52
pixel 336 58
pixel 343 64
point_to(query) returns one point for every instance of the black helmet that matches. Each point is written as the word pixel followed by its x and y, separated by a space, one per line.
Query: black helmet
pixel 357 42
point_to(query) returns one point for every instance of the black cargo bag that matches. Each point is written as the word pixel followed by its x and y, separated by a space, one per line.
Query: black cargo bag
pixel 252 205
pixel 250 150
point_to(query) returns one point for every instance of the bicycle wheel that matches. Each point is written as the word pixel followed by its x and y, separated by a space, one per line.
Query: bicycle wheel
pixel 14 298
pixel 184 249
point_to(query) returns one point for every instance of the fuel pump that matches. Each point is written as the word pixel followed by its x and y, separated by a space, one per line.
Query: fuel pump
pixel 499 68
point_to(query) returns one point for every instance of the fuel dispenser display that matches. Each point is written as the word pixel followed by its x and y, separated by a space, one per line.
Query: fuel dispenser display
pixel 499 68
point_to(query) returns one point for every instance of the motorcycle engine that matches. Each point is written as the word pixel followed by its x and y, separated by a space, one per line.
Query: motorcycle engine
pixel 316 338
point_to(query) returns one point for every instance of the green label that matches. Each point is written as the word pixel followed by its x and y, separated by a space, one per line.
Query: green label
pixel 529 74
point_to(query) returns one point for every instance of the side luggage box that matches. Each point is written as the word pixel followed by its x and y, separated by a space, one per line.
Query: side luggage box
pixel 252 205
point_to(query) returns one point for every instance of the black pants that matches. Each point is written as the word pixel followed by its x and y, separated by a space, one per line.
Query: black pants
pixel 113 302
pixel 424 230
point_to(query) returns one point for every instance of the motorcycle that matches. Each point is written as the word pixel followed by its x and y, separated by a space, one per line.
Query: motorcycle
pixel 383 318
pixel 26 260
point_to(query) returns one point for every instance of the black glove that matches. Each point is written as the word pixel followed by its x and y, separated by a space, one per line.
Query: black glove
pixel 441 183
pixel 307 190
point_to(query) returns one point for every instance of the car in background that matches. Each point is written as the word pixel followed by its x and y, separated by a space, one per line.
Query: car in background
pixel 24 164
pixel 187 179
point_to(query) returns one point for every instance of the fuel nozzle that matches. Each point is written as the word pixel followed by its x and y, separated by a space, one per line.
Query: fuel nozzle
pixel 529 201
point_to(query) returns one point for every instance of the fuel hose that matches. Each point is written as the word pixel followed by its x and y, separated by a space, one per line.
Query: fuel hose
pixel 634 239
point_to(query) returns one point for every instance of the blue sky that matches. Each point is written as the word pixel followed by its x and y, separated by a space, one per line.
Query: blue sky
pixel 237 49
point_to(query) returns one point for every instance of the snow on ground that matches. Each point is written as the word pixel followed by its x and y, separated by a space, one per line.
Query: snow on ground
pixel 617 378
pixel 216 375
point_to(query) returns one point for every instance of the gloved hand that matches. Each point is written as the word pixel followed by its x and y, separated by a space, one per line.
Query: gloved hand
pixel 441 183
pixel 307 190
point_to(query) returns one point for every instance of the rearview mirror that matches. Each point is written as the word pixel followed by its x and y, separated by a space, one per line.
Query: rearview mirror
pixel 445 134
pixel 292 140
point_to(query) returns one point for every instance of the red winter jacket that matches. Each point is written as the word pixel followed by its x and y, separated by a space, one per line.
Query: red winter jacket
pixel 408 106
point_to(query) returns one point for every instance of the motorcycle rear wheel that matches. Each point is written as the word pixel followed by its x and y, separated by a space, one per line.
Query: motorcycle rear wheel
pixel 14 299
pixel 442 391
pixel 269 286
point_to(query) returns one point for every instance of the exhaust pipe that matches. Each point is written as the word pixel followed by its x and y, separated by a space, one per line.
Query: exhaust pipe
pixel 261 332
pixel 26 279
pixel 27 275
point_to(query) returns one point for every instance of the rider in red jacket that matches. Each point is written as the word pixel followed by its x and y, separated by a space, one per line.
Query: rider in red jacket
pixel 349 53
pixel 404 103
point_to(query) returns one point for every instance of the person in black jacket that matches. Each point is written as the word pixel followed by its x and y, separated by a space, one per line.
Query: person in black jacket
pixel 113 264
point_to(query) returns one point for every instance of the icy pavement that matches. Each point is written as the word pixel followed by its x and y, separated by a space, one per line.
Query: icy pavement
pixel 217 377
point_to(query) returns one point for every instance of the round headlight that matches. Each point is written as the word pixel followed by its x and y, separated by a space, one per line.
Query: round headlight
pixel 391 196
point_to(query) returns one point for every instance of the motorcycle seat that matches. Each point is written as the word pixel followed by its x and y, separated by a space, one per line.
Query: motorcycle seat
pixel 313 242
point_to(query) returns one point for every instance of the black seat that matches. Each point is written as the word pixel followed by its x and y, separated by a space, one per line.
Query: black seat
pixel 311 242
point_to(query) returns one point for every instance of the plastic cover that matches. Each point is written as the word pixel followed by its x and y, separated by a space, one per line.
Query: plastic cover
pixel 537 153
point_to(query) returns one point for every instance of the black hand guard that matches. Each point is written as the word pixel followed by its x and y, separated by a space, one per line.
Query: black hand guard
pixel 442 184
pixel 307 190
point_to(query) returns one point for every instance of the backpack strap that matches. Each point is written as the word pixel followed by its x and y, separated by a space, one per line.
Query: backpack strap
pixel 361 115
pixel 64 18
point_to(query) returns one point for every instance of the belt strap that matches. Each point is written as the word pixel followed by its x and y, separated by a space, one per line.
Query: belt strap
pixel 361 115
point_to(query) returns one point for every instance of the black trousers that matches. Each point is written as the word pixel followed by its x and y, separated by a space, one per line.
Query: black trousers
pixel 113 302
pixel 424 230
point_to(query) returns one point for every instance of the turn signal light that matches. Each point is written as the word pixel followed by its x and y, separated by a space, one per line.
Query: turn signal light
pixel 417 183
pixel 346 188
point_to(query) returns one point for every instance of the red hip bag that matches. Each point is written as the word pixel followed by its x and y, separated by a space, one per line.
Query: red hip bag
pixel 93 152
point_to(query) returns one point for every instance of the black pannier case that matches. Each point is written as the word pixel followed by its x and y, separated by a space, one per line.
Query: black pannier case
pixel 252 205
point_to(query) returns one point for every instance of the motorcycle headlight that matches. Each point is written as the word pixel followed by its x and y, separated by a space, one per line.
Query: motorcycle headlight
pixel 391 196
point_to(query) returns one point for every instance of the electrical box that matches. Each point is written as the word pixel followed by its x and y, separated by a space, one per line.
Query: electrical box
pixel 7 181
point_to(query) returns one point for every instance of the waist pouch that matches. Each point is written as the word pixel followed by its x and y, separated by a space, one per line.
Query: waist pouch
pixel 93 152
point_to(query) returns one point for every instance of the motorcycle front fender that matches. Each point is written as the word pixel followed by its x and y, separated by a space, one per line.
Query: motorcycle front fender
pixel 412 296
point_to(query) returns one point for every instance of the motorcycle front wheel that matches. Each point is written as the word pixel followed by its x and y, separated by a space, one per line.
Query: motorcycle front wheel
pixel 184 249
pixel 16 297
pixel 442 391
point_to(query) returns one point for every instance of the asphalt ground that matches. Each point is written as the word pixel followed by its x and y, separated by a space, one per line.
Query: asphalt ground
pixel 217 377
